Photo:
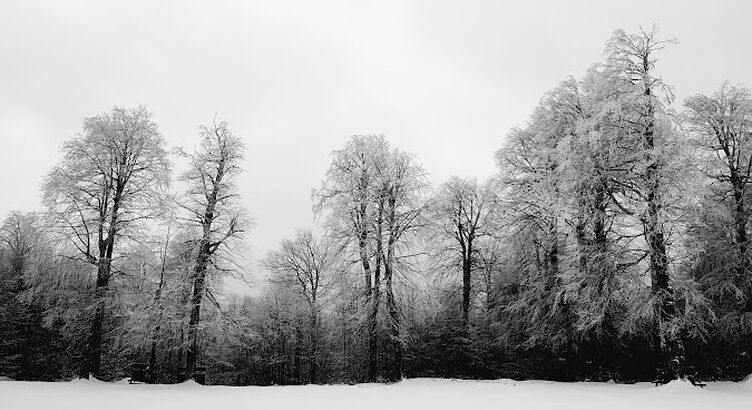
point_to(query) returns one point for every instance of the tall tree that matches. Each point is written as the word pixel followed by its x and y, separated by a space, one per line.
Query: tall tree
pixel 722 126
pixel 111 177
pixel 531 168
pixel 595 152
pixel 373 197
pixel 463 211
pixel 634 56
pixel 211 203
pixel 350 193
pixel 404 184
pixel 308 265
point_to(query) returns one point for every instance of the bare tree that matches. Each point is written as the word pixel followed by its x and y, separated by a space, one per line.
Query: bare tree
pixel 404 184
pixel 111 176
pixel 18 237
pixel 373 196
pixel 722 127
pixel 462 212
pixel 211 203
pixel 490 257
pixel 158 296
pixel 350 194
pixel 309 265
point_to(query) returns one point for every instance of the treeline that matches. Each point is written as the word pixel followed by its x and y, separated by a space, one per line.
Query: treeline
pixel 611 244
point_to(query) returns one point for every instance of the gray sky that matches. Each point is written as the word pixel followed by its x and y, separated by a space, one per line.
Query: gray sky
pixel 445 80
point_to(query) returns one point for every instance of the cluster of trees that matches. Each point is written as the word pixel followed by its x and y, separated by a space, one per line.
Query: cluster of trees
pixel 611 244
pixel 115 271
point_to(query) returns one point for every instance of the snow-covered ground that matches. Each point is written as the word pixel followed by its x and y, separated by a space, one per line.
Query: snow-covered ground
pixel 409 394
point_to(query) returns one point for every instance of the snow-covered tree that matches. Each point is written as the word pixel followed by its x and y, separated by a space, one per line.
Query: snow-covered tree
pixel 110 178
pixel 309 265
pixel 212 212
pixel 462 213
pixel 372 197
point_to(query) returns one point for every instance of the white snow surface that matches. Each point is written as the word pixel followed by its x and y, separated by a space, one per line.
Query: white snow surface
pixel 416 394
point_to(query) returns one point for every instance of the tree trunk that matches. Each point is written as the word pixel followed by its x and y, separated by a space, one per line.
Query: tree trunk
pixel 670 349
pixel 312 375
pixel 154 336
pixel 153 357
pixel 363 251
pixel 394 324
pixel 489 297
pixel 95 336
pixel 740 225
pixel 297 373
pixel 369 295
pixel 599 218
pixel 466 271
pixel 104 269
pixel 158 304
pixel 582 244
pixel 373 334
pixel 192 355
pixel 375 299
pixel 394 315
pixel 373 331
pixel 552 253
pixel 551 256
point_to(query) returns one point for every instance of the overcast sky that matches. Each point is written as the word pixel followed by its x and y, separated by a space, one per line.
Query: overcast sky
pixel 445 80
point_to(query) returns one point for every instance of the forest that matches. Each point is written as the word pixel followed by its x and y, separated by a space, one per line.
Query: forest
pixel 612 244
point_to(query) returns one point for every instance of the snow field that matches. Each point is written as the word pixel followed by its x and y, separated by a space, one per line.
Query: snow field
pixel 433 394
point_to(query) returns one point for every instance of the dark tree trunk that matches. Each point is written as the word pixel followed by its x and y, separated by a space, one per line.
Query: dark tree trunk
pixel 153 357
pixel 157 327
pixel 489 290
pixel 394 325
pixel 550 249
pixel 345 345
pixel 375 298
pixel 582 244
pixel 467 267
pixel 670 348
pixel 373 328
pixel 369 296
pixel 158 304
pixel 192 355
pixel 466 271
pixel 95 336
pixel 312 374
pixel 394 315
pixel 181 373
pixel 363 251
pixel 104 269
pixel 552 252
pixel 740 226
pixel 599 219
pixel 297 367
